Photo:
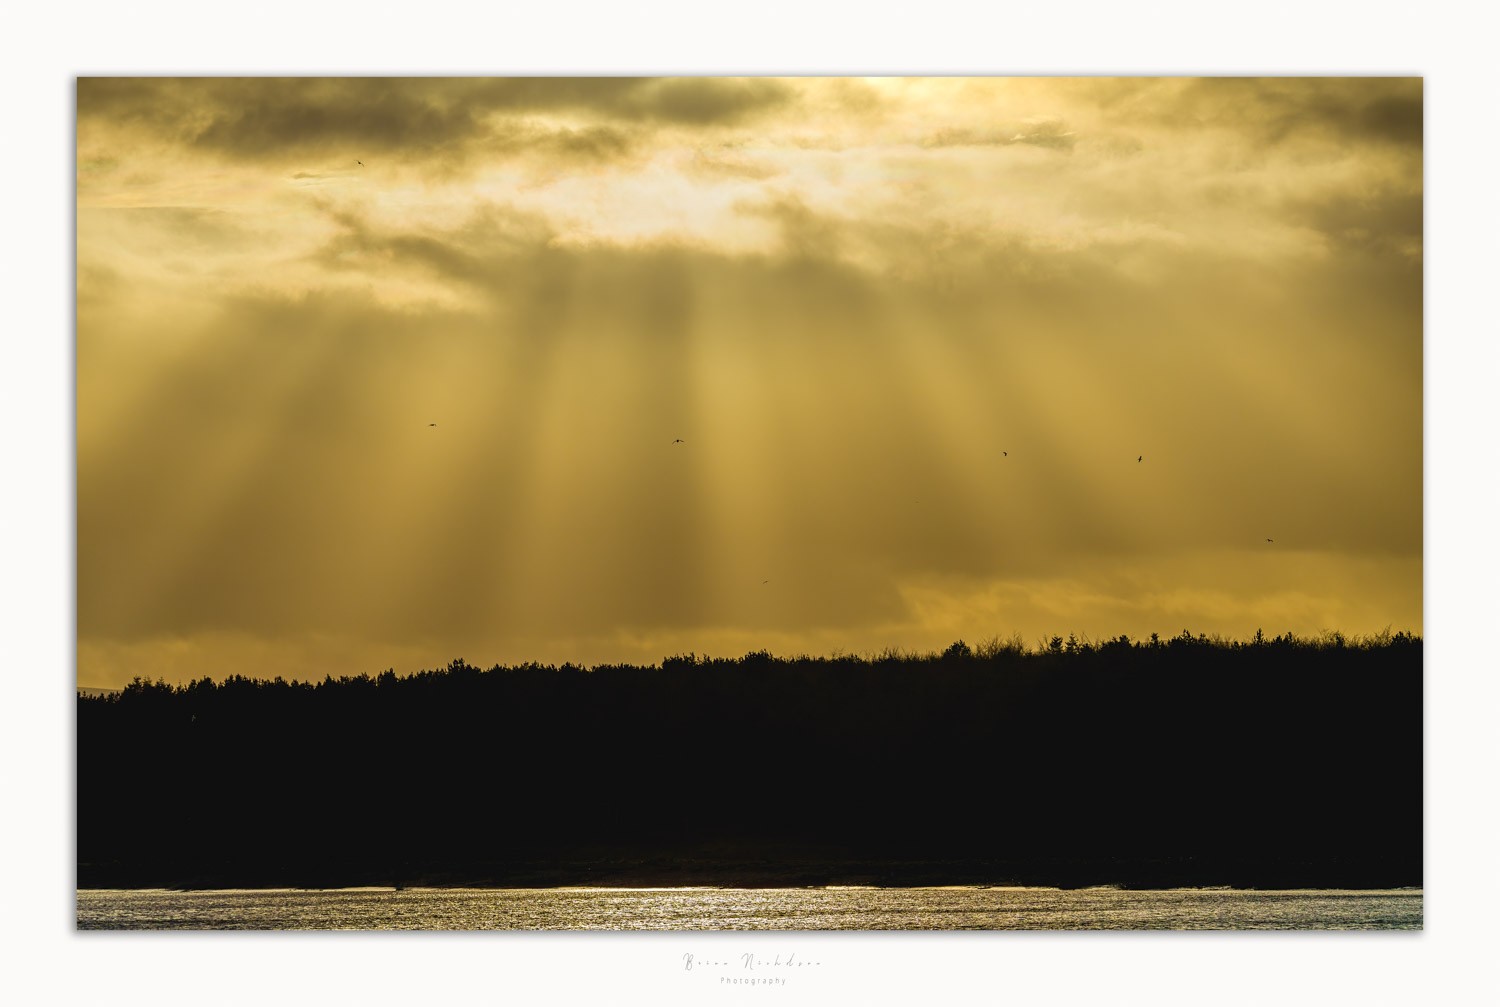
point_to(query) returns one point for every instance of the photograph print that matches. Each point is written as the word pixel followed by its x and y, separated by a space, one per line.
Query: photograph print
pixel 709 503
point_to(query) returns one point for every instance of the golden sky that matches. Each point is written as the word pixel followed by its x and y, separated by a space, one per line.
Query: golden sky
pixel 913 333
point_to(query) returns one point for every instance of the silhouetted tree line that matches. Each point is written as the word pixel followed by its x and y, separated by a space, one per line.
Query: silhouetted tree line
pixel 1273 762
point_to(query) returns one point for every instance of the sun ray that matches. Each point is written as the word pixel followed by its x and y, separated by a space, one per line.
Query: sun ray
pixel 540 368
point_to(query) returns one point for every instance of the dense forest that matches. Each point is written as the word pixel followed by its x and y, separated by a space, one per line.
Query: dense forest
pixel 1275 762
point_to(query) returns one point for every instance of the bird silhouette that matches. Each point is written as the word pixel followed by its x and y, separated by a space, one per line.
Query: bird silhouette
pixel 1138 458
pixel 360 163
pixel 1270 540
pixel 1005 454
pixel 679 441
pixel 432 424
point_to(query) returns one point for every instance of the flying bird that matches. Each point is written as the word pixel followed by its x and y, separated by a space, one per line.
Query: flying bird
pixel 1005 454
pixel 679 441
pixel 1270 540
pixel 1138 458
pixel 432 424
pixel 360 163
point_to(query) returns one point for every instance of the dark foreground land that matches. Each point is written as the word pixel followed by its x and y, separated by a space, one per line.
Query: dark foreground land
pixel 1272 764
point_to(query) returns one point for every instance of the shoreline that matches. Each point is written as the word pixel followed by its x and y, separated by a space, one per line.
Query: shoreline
pixel 825 877
pixel 387 889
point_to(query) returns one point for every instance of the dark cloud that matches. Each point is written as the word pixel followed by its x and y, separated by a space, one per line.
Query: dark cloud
pixel 493 252
pixel 418 118
pixel 1376 222
pixel 1274 110
pixel 1365 110
pixel 1052 134
pixel 699 101
pixel 1396 118
pixel 703 101
pixel 381 119
pixel 601 143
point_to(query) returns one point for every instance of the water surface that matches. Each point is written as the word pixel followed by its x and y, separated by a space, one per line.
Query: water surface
pixel 967 908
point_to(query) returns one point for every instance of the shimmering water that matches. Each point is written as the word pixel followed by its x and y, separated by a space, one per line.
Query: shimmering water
pixel 749 909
